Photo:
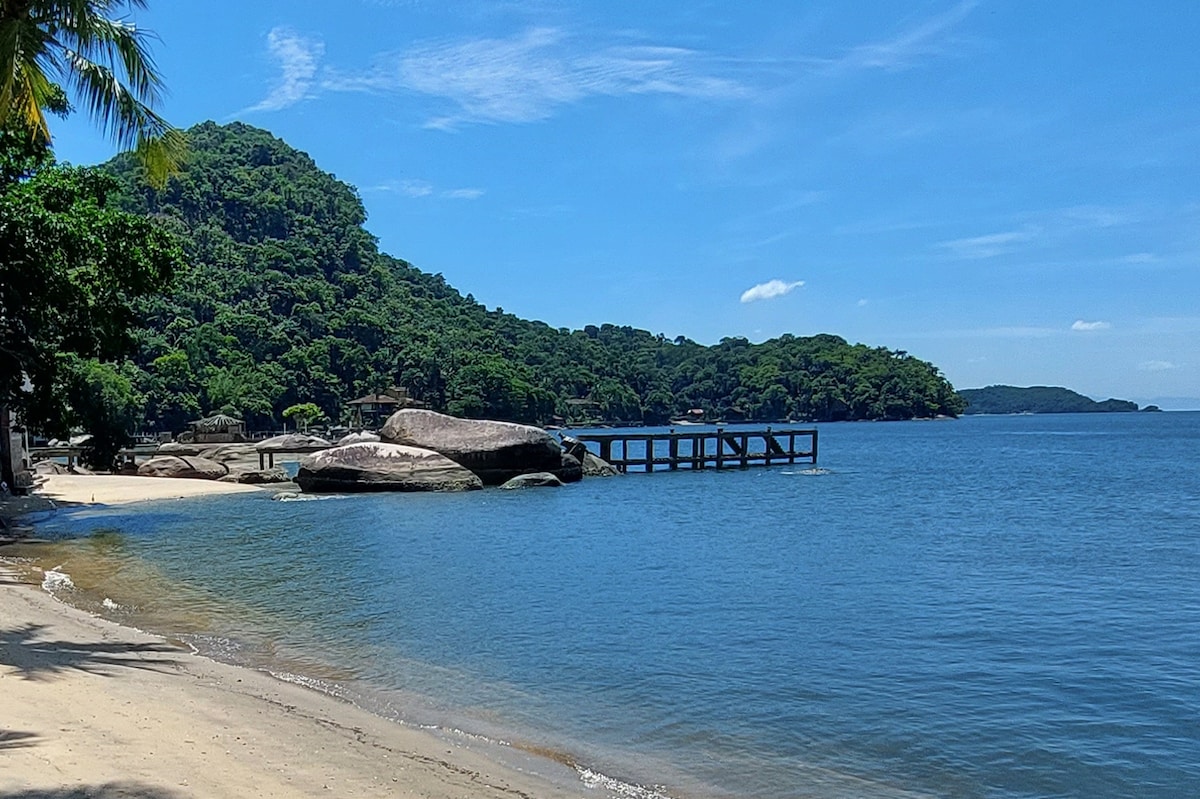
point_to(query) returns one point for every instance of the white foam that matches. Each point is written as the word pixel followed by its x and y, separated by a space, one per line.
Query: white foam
pixel 594 779
pixel 55 579
pixel 110 605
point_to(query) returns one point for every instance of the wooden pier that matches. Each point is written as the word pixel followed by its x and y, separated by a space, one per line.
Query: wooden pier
pixel 708 449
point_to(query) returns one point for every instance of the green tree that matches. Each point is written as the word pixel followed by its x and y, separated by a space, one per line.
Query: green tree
pixel 70 267
pixel 304 413
pixel 104 403
pixel 86 48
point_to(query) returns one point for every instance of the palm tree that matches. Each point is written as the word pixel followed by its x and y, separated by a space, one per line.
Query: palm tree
pixel 86 48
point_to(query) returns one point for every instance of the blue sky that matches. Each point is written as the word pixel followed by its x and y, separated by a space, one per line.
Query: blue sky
pixel 1009 190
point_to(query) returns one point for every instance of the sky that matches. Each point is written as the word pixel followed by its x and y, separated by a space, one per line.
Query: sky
pixel 1008 190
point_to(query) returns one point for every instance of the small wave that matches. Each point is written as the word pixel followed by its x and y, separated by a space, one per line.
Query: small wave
pixel 110 605
pixel 55 579
pixel 594 779
pixel 816 470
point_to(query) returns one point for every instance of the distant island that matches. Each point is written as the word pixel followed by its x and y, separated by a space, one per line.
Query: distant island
pixel 1040 399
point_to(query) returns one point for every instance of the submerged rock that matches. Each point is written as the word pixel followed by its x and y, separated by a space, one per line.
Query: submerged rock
pixel 495 451
pixel 377 466
pixel 533 480
pixel 188 466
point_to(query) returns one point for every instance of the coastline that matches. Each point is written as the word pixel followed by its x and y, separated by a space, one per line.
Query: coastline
pixel 93 708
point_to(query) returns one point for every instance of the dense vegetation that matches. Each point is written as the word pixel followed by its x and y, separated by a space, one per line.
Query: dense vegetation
pixel 1037 399
pixel 286 300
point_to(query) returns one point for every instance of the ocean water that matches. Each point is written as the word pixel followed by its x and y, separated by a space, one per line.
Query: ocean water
pixel 989 607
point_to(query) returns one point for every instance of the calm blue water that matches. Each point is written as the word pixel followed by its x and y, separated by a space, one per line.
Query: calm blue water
pixel 991 607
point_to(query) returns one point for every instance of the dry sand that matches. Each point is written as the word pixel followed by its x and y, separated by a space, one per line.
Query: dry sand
pixel 92 709
pixel 105 489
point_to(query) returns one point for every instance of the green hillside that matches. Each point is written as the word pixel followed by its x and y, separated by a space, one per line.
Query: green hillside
pixel 1037 399
pixel 286 299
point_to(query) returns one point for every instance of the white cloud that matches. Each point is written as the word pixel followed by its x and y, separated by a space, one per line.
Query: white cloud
pixel 298 57
pixel 463 194
pixel 770 290
pixel 1156 366
pixel 863 303
pixel 988 246
pixel 1089 326
pixel 525 78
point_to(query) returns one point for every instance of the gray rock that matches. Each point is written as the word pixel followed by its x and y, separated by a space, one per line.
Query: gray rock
pixel 569 470
pixel 377 466
pixel 293 442
pixel 495 451
pixel 177 448
pixel 50 467
pixel 593 465
pixel 257 476
pixel 533 480
pixel 357 438
pixel 243 452
pixel 188 466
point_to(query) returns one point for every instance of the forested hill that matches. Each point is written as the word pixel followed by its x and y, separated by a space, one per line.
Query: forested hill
pixel 286 299
pixel 1038 399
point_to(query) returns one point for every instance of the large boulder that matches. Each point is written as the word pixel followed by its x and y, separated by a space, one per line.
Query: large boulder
pixel 182 466
pixel 377 466
pixel 357 438
pixel 293 442
pixel 496 451
pixel 241 452
pixel 257 476
pixel 178 448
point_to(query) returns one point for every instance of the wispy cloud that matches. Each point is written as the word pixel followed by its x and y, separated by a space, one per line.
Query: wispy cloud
pixel 929 38
pixel 1156 366
pixel 1082 326
pixel 527 77
pixel 423 188
pixel 770 290
pixel 463 194
pixel 988 246
pixel 299 58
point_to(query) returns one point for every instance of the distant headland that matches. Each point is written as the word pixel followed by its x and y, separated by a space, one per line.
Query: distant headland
pixel 1041 399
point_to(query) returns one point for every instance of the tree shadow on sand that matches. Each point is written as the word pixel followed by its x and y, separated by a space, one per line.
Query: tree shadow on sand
pixel 35 657
pixel 15 739
pixel 109 790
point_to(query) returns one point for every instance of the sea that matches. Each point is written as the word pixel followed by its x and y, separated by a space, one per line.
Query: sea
pixel 1002 607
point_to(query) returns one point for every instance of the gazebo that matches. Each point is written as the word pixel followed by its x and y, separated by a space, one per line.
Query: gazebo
pixel 218 429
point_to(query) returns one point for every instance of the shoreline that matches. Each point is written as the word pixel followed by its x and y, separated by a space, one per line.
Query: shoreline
pixel 101 709
pixel 98 707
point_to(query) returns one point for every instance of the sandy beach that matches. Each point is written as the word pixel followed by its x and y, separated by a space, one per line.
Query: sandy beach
pixel 105 489
pixel 94 709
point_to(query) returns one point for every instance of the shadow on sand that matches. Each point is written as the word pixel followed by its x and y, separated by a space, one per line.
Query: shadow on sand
pixel 109 790
pixel 35 657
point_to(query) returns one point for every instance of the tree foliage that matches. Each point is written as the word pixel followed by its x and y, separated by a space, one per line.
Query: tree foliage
pixel 285 300
pixel 89 49
pixel 71 266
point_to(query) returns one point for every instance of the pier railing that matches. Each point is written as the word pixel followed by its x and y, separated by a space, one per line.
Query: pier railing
pixel 708 449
